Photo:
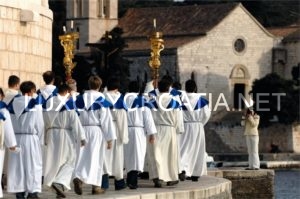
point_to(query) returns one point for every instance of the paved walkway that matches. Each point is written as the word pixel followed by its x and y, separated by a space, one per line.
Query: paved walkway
pixel 206 187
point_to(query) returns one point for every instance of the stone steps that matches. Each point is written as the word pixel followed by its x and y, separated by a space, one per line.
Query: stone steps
pixel 207 187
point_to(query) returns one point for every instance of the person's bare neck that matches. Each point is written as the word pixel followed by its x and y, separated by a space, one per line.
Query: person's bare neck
pixel 14 88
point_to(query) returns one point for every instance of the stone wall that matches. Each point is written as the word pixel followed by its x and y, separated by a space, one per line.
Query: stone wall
pixel 90 24
pixel 296 138
pixel 212 57
pixel 226 138
pixel 293 57
pixel 251 184
pixel 26 46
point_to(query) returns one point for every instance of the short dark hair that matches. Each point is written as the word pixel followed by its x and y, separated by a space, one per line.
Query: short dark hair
pixel 164 85
pixel 1 92
pixel 13 80
pixel 95 82
pixel 58 81
pixel 48 77
pixel 168 78
pixel 134 86
pixel 249 111
pixel 113 83
pixel 27 87
pixel 63 88
pixel 177 85
pixel 190 86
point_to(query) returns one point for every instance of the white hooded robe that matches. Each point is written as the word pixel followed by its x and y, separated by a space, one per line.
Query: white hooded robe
pixel 63 133
pixel 114 158
pixel 25 168
pixel 163 154
pixel 99 128
pixel 140 125
pixel 8 136
pixel 192 142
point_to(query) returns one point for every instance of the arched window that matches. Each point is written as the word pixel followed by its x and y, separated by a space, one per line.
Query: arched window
pixel 240 80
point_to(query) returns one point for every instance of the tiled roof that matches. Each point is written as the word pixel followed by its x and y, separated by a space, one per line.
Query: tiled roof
pixel 169 42
pixel 283 31
pixel 295 36
pixel 179 24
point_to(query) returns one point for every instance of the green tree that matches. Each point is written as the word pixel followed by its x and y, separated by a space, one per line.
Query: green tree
pixel 276 97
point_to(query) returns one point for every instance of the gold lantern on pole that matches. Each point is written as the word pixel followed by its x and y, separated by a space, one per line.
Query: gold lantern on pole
pixel 68 41
pixel 157 45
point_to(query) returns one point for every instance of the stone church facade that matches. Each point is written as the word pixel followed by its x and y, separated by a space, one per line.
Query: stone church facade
pixel 225 52
pixel 26 40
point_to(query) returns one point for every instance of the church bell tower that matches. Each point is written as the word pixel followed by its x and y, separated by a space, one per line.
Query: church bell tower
pixel 91 18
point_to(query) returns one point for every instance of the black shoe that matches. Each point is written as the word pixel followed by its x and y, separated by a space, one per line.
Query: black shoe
pixel 120 184
pixel 157 183
pixel 20 195
pixel 251 169
pixel 195 178
pixel 188 178
pixel 132 179
pixel 33 195
pixel 171 183
pixel 132 186
pixel 59 188
pixel 181 176
pixel 144 175
pixel 77 186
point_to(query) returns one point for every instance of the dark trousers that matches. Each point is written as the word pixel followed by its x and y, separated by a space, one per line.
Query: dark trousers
pixel 105 181
pixel 20 195
pixel 119 184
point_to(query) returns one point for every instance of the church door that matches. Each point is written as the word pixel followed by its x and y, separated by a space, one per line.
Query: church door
pixel 239 94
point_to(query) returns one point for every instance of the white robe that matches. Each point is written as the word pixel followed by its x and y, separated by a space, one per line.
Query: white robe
pixel 9 139
pixel 9 95
pixel 192 142
pixel 163 154
pixel 140 124
pixel 47 90
pixel 99 128
pixel 25 168
pixel 114 158
pixel 63 132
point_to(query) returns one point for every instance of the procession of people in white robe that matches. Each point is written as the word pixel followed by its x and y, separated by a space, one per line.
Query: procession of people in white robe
pixel 7 136
pixel 96 135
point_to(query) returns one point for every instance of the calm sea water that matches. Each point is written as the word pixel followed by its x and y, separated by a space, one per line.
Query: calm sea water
pixel 287 184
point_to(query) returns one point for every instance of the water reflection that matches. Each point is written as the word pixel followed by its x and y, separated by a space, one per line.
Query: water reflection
pixel 287 184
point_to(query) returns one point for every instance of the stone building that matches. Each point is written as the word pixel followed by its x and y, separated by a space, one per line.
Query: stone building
pixel 26 39
pixel 91 18
pixel 221 45
pixel 287 53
